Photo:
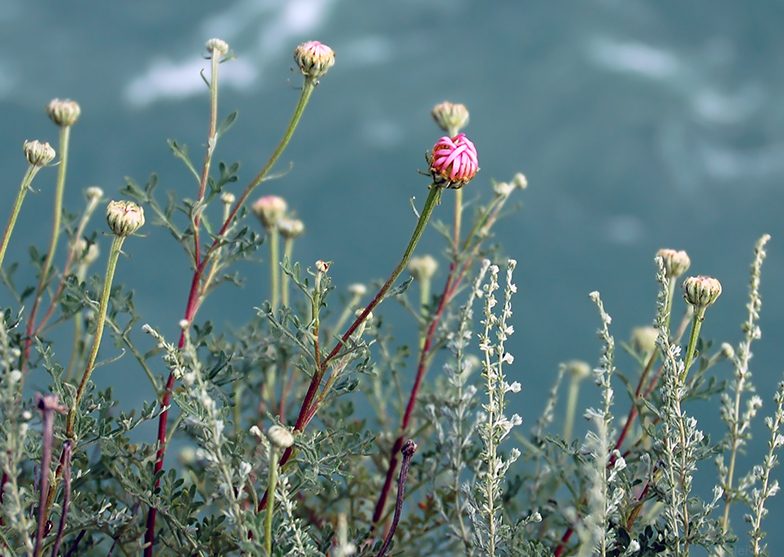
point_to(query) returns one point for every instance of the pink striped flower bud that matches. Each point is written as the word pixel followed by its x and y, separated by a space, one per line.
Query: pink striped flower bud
pixel 453 162
pixel 314 58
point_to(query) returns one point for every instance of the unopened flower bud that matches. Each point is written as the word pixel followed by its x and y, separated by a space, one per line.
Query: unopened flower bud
pixel 454 161
pixel 217 46
pixel 93 193
pixel 644 339
pixel 280 437
pixel 63 113
pixel 701 292
pixel 37 153
pixel 314 58
pixel 85 253
pixel 228 198
pixel 322 266
pixel 368 317
pixel 520 181
pixel 183 324
pixel 357 289
pixel 727 351
pixel 124 217
pixel 675 262
pixel 503 189
pixel 269 210
pixel 423 268
pixel 290 228
pixel 578 369
pixel 450 116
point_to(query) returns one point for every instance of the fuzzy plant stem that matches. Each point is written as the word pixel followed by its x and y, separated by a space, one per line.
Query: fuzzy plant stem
pixel 26 181
pixel 571 406
pixel 65 134
pixel 195 294
pixel 696 324
pixel 114 253
pixel 90 365
pixel 432 200
pixel 288 251
pixel 273 482
pixel 212 141
pixel 305 415
pixel 274 242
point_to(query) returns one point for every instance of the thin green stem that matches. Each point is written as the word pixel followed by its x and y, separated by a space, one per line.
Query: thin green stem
pixel 274 241
pixel 273 481
pixel 305 415
pixel 571 405
pixel 100 321
pixel 26 181
pixel 288 251
pixel 696 324
pixel 212 140
pixel 65 134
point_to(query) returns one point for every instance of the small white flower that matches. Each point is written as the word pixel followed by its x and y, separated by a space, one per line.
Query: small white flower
pixel 507 358
pixel 245 469
pixel 255 431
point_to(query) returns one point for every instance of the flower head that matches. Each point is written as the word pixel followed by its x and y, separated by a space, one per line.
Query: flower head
pixel 63 113
pixel 93 193
pixel 450 116
pixel 217 46
pixel 269 210
pixel 423 268
pixel 228 198
pixel 37 153
pixel 675 262
pixel 85 252
pixel 280 437
pixel 578 369
pixel 454 161
pixel 701 292
pixel 314 58
pixel 644 339
pixel 124 217
pixel 290 228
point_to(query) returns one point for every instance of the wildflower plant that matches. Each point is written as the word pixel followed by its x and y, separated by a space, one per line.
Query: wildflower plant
pixel 298 433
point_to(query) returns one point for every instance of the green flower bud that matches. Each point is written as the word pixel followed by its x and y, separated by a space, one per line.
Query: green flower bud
pixel 450 116
pixel 280 437
pixel 63 113
pixel 701 292
pixel 423 268
pixel 217 46
pixel 675 262
pixel 314 58
pixel 644 339
pixel 37 153
pixel 269 210
pixel 290 228
pixel 124 217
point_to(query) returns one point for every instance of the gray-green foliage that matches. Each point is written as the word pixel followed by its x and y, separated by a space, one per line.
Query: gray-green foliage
pixel 476 486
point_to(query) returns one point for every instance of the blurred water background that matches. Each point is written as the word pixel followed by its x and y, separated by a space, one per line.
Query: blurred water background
pixel 639 124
